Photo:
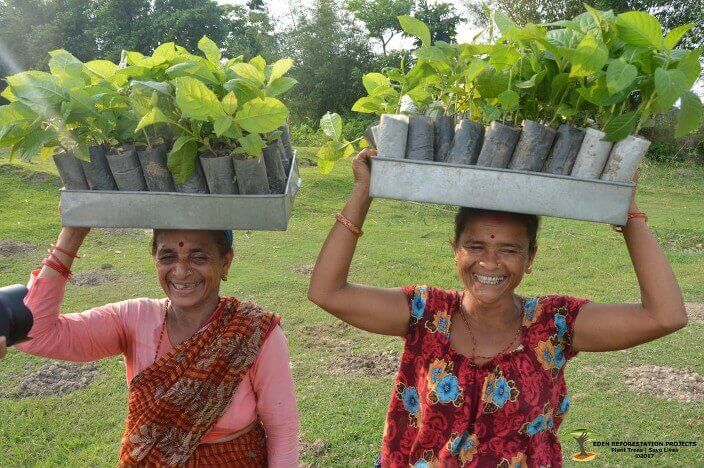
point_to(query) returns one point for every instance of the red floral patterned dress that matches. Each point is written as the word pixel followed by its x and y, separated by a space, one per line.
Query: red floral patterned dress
pixel 447 411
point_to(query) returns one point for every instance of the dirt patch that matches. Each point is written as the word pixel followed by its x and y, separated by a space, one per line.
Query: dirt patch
pixel 695 312
pixel 304 270
pixel 381 364
pixel 336 336
pixel 9 247
pixel 56 378
pixel 94 277
pixel 666 383
pixel 311 449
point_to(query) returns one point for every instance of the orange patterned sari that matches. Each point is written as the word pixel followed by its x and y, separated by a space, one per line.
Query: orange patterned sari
pixel 175 401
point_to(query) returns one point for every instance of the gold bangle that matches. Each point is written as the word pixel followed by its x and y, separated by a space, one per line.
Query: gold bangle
pixel 349 225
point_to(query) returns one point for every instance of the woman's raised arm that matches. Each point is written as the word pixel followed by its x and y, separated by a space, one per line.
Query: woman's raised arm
pixel 377 310
pixel 608 327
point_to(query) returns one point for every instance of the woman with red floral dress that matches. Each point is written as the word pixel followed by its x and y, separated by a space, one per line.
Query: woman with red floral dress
pixel 481 379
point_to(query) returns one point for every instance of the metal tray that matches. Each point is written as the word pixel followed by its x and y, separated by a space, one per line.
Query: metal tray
pixel 501 189
pixel 167 210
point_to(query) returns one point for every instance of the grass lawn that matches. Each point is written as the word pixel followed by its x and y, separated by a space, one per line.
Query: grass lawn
pixel 405 243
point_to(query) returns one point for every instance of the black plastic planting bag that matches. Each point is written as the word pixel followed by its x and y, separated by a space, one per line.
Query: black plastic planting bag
pixel 71 171
pixel 533 147
pixel 154 167
pixel 274 167
pixel 251 176
pixel 219 173
pixel 126 169
pixel 97 170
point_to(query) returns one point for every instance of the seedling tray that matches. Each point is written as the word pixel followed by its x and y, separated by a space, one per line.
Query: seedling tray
pixel 501 189
pixel 167 210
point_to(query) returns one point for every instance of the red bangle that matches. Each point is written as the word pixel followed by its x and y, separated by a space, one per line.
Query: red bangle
pixel 62 270
pixel 65 252
pixel 58 260
pixel 354 229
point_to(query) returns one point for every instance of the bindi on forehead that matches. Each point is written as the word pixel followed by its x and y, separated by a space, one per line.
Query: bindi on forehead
pixel 180 244
pixel 492 236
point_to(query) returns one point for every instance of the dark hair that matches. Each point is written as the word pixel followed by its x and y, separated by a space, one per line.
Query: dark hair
pixel 219 237
pixel 465 215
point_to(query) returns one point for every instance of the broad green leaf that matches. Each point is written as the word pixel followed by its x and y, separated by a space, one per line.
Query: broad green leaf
pixel 691 114
pixel 419 94
pixel 491 113
pixel 222 125
pixel 534 81
pixel 280 86
pixel 249 72
pixel 599 95
pixel 367 105
pixel 162 87
pixel 152 117
pixel 620 75
pixel 558 85
pixel 165 52
pixel 63 63
pixel 8 94
pixel 325 166
pixel 384 92
pixel 415 27
pixel 103 68
pixel 16 112
pixel 252 144
pixel 38 90
pixel 620 127
pixel 331 125
pixel 245 90
pixel 640 29
pixel 566 111
pixel 676 34
pixel 371 81
pixel 490 83
pixel 509 100
pixel 474 69
pixel 669 86
pixel 30 146
pixel 280 68
pixel 691 66
pixel 503 56
pixel 193 70
pixel 589 57
pixel 182 158
pixel 503 22
pixel 259 62
pixel 210 49
pixel 262 115
pixel 196 101
pixel 229 103
pixel 435 56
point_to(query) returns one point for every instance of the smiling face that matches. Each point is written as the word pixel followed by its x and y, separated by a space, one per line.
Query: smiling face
pixel 190 266
pixel 492 255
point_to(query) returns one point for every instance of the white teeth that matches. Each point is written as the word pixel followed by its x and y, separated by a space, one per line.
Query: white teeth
pixel 491 280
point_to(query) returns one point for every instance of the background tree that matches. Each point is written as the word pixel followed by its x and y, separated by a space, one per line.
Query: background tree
pixel 186 21
pixel 380 17
pixel 330 60
pixel 442 20
pixel 122 24
pixel 250 32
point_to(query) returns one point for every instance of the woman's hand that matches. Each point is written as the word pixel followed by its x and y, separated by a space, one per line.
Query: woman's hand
pixel 3 346
pixel 362 169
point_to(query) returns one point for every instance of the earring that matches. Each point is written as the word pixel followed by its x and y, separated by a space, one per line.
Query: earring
pixel 224 276
pixel 529 270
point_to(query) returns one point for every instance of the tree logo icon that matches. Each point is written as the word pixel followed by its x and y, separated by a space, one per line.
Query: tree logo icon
pixel 582 436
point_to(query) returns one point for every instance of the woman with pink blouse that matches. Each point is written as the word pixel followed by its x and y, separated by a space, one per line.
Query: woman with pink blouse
pixel 209 376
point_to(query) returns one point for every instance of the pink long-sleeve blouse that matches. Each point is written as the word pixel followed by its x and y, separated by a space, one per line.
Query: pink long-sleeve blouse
pixel 132 328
